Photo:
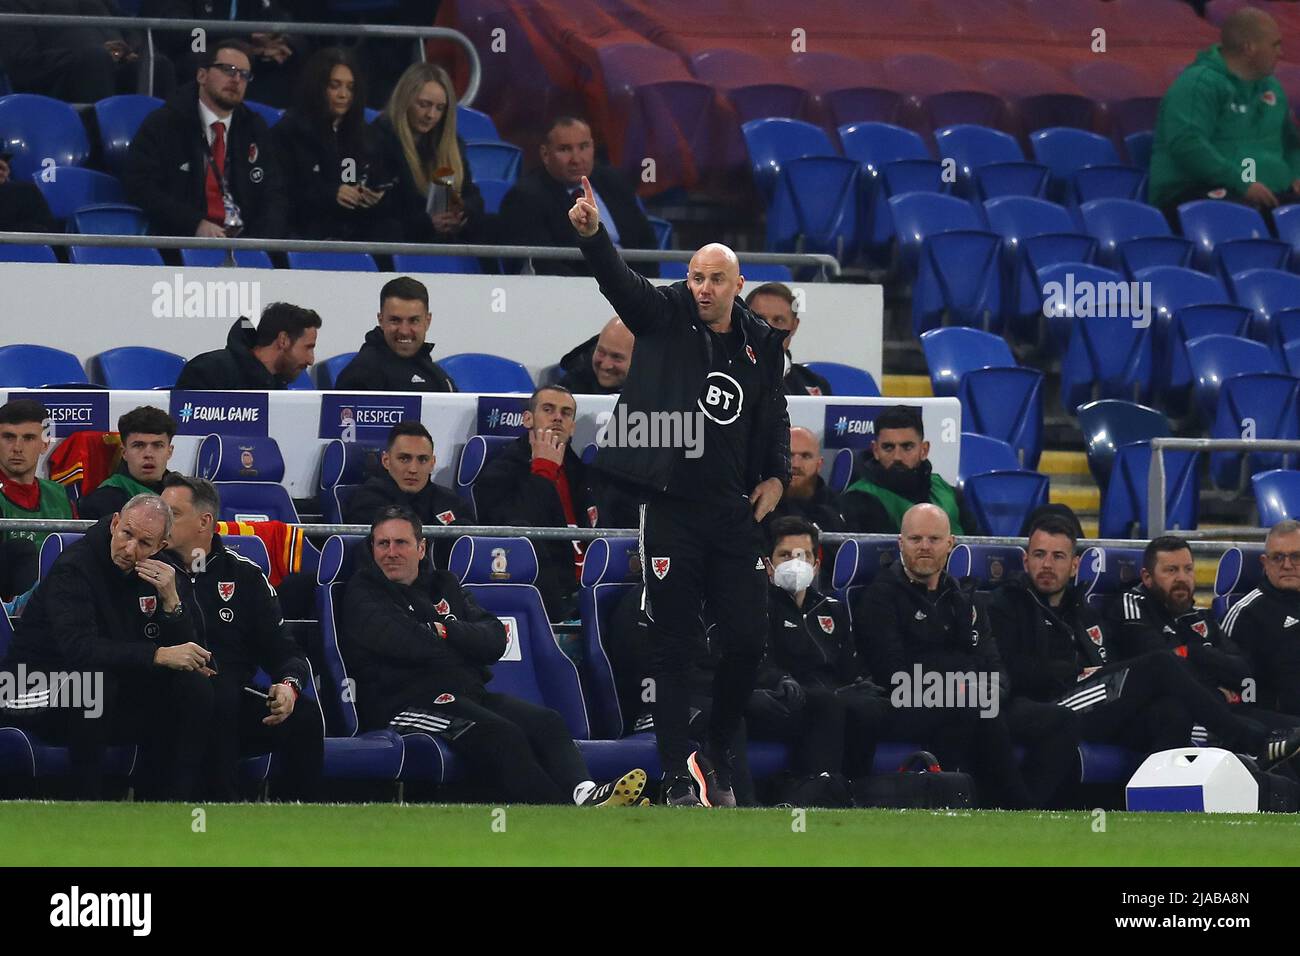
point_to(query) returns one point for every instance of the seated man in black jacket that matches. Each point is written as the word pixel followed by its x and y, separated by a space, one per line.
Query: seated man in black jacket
pixel 599 365
pixel 395 356
pixel 773 302
pixel 898 475
pixel 421 651
pixel 146 434
pixel 203 164
pixel 242 624
pixel 536 210
pixel 114 608
pixel 268 355
pixel 408 463
pixel 1057 649
pixel 1264 621
pixel 539 482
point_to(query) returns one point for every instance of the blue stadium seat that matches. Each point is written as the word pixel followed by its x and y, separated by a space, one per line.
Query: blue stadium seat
pixel 269 113
pixel 114 256
pixel 1055 283
pixel 1006 403
pixel 494 160
pixel 774 142
pixel 327 372
pixel 480 372
pixel 856 565
pixel 1291 358
pixel 118 117
pixel 214 258
pixel 1287 221
pixel 332 261
pixel 877 147
pixel 493 191
pixel 840 473
pixel 912 176
pixel 454 265
pixel 989 163
pixel 109 219
pixel 135 367
pixel 1265 292
pixel 1277 495
pixel 34 366
pixel 1267 400
pixel 1109 182
pixel 344 466
pixel 1002 500
pixel 980 453
pixel 1216 358
pixel 663 232
pixel 1133 235
pixel 1106 358
pixel 610 570
pixel 302 383
pixel 247 471
pixel 1288 325
pixel 1105 573
pixel 478 451
pixel 845 379
pixel 1125 499
pixel 36 128
pixel 1240 571
pixel 23 252
pixel 1035 233
pixel 1110 423
pixel 919 215
pixel 815 207
pixel 472 124
pixel 1067 152
pixel 950 353
pixel 989 564
pixel 1139 146
pixel 1230 237
pixel 67 188
pixel 1173 289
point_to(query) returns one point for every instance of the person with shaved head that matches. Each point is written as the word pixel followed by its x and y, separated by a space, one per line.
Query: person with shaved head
pixel 599 365
pixel 706 364
pixel 1225 129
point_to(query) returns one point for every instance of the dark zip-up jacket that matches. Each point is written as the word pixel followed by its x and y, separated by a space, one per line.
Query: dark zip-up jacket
pixel 107 499
pixel 1266 624
pixel 240 620
pixel 813 644
pixel 1045 648
pixel 393 650
pixel 801 380
pixel 579 377
pixel 673 359
pixel 377 368
pixel 87 614
pixel 234 368
pixel 432 504
pixel 166 172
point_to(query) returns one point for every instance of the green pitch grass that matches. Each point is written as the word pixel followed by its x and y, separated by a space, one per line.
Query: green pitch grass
pixel 71 834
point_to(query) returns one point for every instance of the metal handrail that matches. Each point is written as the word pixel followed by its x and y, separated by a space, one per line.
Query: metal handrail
pixel 149 24
pixel 1156 474
pixel 826 263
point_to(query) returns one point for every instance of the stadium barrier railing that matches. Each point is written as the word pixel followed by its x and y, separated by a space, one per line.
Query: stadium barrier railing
pixel 1156 474
pixel 227 27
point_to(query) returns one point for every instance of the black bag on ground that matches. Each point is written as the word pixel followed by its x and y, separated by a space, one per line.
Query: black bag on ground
pixel 826 790
pixel 920 784
pixel 1277 793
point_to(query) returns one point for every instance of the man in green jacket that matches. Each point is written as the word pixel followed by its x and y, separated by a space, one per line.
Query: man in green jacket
pixel 24 437
pixel 1225 129
pixel 147 434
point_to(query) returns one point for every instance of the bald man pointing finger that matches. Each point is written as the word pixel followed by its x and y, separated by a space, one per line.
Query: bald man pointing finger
pixel 701 431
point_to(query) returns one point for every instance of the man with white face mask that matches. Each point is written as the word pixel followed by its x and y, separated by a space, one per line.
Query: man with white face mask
pixel 811 690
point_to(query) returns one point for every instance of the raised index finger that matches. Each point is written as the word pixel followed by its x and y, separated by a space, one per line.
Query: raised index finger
pixel 587 194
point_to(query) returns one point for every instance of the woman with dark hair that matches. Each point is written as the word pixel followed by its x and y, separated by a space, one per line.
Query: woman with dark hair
pixel 417 139
pixel 336 188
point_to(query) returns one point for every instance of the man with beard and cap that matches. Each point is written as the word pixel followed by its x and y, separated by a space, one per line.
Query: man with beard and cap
pixel 1264 622
pixel 599 365
pixel 773 302
pixel 898 476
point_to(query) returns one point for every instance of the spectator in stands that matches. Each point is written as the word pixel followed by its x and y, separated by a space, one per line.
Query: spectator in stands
pixel 78 64
pixel 395 356
pixel 1264 621
pixel 1058 649
pixel 773 302
pixel 22 206
pixel 421 651
pixel 407 480
pixel 268 355
pixel 599 365
pixel 115 606
pixel 536 210
pixel 538 481
pixel 1224 110
pixel 204 164
pixel 241 623
pixel 899 475
pixel 327 155
pixel 915 620
pixel 277 57
pixel 23 439
pixel 146 434
pixel 420 149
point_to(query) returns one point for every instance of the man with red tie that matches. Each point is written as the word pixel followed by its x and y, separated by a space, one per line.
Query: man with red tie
pixel 203 164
